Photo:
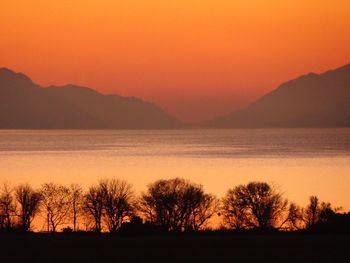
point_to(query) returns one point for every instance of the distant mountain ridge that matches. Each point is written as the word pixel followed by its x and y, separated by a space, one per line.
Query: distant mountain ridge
pixel 312 100
pixel 26 105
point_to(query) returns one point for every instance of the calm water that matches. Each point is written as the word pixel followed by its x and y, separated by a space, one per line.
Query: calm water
pixel 301 162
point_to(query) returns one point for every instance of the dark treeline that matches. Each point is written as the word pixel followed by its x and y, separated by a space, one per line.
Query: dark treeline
pixel 174 205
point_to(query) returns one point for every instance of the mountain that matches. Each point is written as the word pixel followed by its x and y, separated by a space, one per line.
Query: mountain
pixel 26 105
pixel 313 100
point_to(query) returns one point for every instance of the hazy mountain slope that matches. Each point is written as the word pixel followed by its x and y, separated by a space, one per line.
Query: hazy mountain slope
pixel 26 105
pixel 112 110
pixel 313 100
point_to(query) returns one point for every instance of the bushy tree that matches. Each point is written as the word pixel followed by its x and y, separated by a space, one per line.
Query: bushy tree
pixel 317 212
pixel 255 205
pixel 29 201
pixel 177 205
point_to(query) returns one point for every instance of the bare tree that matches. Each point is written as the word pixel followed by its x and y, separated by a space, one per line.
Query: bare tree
pixel 55 199
pixel 295 217
pixel 312 212
pixel 29 204
pixel 234 214
pixel 93 206
pixel 318 212
pixel 206 208
pixel 326 212
pixel 177 205
pixel 255 205
pixel 7 207
pixel 76 199
pixel 118 201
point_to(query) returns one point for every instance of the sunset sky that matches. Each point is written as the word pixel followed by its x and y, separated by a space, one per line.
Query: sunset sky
pixel 195 58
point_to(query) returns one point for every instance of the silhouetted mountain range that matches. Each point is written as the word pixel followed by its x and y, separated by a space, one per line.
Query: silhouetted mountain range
pixel 25 105
pixel 313 100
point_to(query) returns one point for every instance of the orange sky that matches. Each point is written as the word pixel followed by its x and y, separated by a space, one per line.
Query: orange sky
pixel 194 58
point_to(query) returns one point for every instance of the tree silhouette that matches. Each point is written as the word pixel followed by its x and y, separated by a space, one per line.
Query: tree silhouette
pixel 117 202
pixel 255 205
pixel 29 204
pixel 7 207
pixel 55 200
pixel 76 199
pixel 326 212
pixel 312 212
pixel 317 212
pixel 234 214
pixel 295 218
pixel 203 211
pixel 93 206
pixel 177 205
pixel 167 205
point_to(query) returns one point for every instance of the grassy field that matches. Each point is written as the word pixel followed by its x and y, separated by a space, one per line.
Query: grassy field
pixel 199 248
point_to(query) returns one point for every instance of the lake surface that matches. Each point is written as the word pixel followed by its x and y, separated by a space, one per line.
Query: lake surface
pixel 301 162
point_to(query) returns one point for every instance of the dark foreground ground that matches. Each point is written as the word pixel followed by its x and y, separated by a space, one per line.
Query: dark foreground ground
pixel 204 248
